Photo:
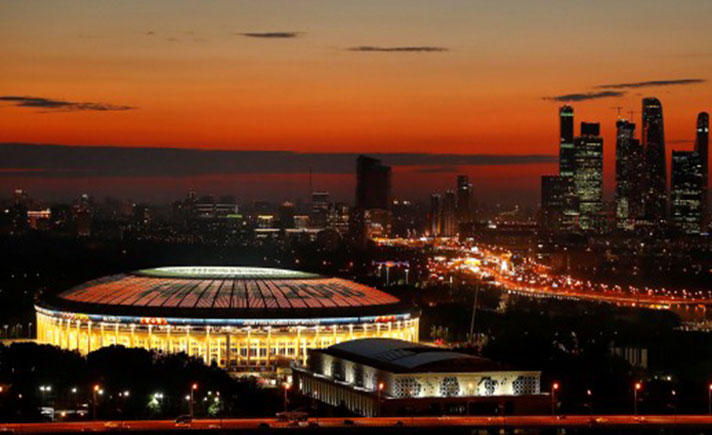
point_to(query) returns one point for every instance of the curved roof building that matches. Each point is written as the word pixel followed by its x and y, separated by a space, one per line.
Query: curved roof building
pixel 239 317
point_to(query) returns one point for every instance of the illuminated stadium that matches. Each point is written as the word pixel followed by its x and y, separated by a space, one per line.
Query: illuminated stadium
pixel 242 318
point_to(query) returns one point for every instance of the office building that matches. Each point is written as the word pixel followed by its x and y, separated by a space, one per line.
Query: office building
pixel 566 141
pixel 588 175
pixel 702 147
pixel 630 170
pixel 449 215
pixel 464 202
pixel 686 191
pixel 653 142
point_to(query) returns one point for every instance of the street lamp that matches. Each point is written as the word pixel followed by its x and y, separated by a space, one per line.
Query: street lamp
pixel 589 394
pixel 94 392
pixel 192 389
pixel 45 389
pixel 554 389
pixel 380 389
pixel 638 387
pixel 286 388
pixel 709 400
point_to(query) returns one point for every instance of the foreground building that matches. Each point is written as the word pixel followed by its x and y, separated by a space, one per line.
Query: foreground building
pixel 394 377
pixel 241 318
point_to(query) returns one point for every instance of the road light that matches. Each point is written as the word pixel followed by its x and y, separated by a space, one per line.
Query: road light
pixel 638 386
pixel 192 389
pixel 286 388
pixel 94 391
pixel 380 389
pixel 589 394
pixel 554 389
pixel 709 399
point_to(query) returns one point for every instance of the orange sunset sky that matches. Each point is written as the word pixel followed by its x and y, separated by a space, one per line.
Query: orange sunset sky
pixel 445 77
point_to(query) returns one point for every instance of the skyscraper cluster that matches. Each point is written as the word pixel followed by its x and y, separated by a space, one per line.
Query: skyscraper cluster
pixel 451 213
pixel 573 199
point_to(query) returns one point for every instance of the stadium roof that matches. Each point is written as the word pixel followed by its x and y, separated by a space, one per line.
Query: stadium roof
pixel 400 356
pixel 225 292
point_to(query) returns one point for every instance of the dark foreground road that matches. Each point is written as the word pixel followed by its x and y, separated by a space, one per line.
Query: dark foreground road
pixel 618 422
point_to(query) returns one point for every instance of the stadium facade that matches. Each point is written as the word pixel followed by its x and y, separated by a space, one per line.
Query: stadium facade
pixel 241 318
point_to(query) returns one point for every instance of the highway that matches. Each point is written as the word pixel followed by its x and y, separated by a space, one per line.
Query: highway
pixel 494 266
pixel 252 424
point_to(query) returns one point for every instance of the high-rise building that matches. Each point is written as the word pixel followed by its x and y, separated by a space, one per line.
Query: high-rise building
pixel 286 215
pixel 653 141
pixel 319 209
pixel 686 192
pixel 702 148
pixel 588 174
pixel 338 218
pixel 555 192
pixel 449 215
pixel 629 176
pixel 464 201
pixel 373 184
pixel 373 195
pixel 566 141
pixel 435 216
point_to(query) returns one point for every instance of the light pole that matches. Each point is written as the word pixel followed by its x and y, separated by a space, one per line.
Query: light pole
pixel 192 389
pixel 589 393
pixel 380 388
pixel 638 387
pixel 94 392
pixel 45 389
pixel 709 399
pixel 286 388
pixel 316 405
pixel 554 389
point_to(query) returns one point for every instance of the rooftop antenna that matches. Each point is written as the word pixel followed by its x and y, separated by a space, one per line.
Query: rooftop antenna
pixel 311 189
pixel 618 108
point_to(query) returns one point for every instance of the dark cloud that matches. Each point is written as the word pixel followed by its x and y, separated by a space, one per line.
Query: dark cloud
pixel 651 84
pixel 105 161
pixel 271 35
pixel 585 96
pixel 408 49
pixel 50 105
pixel 442 169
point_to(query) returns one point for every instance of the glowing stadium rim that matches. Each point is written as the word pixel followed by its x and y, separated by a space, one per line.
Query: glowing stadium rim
pixel 220 272
pixel 186 321
pixel 224 272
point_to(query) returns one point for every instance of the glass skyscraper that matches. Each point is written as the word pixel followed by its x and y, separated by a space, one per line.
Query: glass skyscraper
pixel 653 141
pixel 686 192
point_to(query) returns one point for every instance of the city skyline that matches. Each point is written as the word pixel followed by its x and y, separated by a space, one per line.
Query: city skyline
pixel 321 78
